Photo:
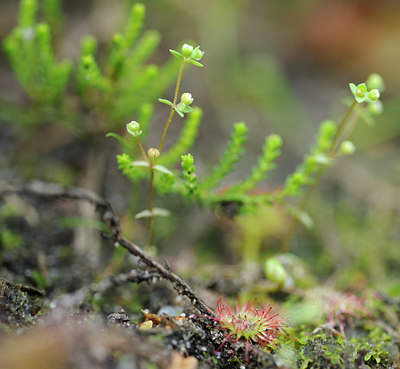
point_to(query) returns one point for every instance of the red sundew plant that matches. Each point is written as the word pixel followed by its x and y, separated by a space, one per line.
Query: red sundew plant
pixel 248 323
pixel 341 308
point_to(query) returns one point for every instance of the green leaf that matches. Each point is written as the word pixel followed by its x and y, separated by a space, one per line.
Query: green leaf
pixel 179 112
pixel 181 106
pixel 140 163
pixel 194 62
pixel 157 212
pixel 303 217
pixel 353 88
pixel 123 142
pixel 175 53
pixel 165 101
pixel 187 110
pixel 162 169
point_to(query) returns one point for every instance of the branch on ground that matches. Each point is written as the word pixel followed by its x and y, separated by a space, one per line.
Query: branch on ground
pixel 55 192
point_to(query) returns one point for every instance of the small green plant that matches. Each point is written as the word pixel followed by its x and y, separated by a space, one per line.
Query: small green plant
pixel 188 55
pixel 103 93
pixel 330 143
pixel 124 87
pixel 377 344
pixel 87 98
pixel 324 349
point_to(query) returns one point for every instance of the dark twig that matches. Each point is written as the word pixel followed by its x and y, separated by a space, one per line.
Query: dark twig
pixel 134 276
pixel 103 207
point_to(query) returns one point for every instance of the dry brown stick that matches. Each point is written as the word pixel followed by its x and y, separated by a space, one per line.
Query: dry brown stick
pixel 134 276
pixel 56 192
pixel 179 285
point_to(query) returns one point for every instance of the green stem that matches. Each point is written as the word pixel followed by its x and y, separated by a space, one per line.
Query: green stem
pixel 341 127
pixel 151 200
pixel 293 221
pixel 178 82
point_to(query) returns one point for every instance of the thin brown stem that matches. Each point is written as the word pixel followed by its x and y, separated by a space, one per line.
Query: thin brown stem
pixel 142 150
pixel 293 221
pixel 165 130
pixel 56 192
pixel 178 82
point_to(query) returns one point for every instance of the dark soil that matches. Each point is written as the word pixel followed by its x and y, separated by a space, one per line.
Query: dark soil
pixel 52 310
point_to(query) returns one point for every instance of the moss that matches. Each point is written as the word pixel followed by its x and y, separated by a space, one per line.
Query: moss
pixel 376 348
pixel 367 344
pixel 322 350
pixel 18 304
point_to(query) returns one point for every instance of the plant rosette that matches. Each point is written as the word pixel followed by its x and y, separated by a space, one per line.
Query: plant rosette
pixel 248 323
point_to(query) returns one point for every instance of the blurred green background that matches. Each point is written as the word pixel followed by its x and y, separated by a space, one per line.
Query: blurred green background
pixel 281 66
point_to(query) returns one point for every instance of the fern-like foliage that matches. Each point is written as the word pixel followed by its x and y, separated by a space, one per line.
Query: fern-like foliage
pixel 206 190
pixel 189 175
pixel 270 151
pixel 241 197
pixel 90 81
pixel 314 162
pixel 107 93
pixel 229 158
pixel 32 59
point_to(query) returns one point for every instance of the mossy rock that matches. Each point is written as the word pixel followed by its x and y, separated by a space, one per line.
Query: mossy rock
pixel 19 304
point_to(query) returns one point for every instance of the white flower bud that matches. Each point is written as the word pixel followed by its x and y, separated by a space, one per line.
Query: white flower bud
pixel 187 50
pixel 373 95
pixel 347 148
pixel 134 128
pixel 187 98
pixel 153 153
